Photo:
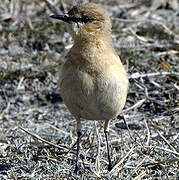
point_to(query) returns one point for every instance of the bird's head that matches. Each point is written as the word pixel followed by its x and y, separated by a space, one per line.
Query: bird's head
pixel 86 20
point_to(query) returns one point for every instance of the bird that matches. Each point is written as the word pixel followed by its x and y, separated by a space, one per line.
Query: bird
pixel 93 82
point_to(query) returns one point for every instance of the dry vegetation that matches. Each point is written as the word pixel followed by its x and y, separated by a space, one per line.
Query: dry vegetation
pixel 32 47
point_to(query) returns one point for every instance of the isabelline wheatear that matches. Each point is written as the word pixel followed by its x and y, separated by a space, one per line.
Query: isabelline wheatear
pixel 93 82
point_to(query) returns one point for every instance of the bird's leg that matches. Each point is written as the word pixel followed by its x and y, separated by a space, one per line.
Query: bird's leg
pixel 78 144
pixel 107 144
pixel 108 149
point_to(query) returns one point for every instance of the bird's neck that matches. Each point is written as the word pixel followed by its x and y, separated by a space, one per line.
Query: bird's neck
pixel 91 53
pixel 100 40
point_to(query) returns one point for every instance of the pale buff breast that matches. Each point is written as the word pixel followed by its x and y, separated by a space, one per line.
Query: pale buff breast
pixel 91 95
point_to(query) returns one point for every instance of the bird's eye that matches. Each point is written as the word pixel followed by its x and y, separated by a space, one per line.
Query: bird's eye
pixel 85 19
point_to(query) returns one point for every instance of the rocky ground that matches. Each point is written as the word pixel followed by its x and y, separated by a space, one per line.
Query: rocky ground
pixel 37 130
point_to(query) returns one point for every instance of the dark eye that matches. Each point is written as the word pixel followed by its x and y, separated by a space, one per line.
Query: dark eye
pixel 85 19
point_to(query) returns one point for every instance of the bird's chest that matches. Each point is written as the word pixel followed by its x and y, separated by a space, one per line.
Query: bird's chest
pixel 92 96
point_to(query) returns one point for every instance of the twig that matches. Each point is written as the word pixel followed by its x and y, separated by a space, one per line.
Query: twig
pixel 177 87
pixel 162 149
pixel 50 143
pixel 173 149
pixel 127 128
pixel 134 140
pixel 139 103
pixel 43 140
pixel 148 132
pixel 143 173
pixel 142 39
pixel 161 163
pixel 20 83
pixel 115 168
pixel 142 86
pixel 138 75
pixel 137 167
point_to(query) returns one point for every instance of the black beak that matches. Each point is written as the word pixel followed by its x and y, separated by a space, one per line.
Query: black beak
pixel 64 18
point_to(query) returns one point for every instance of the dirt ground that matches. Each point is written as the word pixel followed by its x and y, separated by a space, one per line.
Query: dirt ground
pixel 37 130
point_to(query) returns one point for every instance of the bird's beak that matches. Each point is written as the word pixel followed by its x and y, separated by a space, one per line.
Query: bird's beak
pixel 64 18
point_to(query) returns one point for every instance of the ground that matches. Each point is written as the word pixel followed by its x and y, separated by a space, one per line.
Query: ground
pixel 37 130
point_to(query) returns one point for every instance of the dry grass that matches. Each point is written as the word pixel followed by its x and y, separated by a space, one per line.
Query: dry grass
pixel 32 47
